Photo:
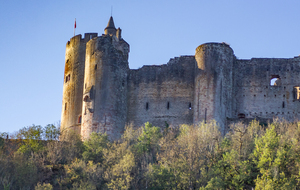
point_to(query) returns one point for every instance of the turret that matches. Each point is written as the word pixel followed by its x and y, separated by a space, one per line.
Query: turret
pixel 110 28
pixel 213 83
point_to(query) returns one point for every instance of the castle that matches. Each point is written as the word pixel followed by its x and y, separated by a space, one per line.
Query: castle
pixel 101 93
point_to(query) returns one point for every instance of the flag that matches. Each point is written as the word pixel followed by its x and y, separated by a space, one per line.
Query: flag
pixel 75 23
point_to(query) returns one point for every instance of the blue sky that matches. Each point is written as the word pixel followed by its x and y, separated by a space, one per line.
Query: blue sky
pixel 34 34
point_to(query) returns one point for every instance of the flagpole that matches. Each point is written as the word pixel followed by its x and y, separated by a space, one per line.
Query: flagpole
pixel 74 26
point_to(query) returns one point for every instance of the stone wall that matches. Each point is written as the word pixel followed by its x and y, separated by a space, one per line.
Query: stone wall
pixel 255 97
pixel 162 94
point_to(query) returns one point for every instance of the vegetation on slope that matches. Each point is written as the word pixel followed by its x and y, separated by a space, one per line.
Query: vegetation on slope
pixel 190 157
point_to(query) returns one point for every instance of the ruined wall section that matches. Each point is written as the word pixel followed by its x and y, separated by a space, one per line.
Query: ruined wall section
pixel 213 83
pixel 105 92
pixel 257 98
pixel 162 94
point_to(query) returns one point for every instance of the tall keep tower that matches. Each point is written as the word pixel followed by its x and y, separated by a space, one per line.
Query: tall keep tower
pixel 73 82
pixel 104 106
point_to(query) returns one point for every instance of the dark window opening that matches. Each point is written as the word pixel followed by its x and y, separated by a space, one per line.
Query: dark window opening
pixel 190 105
pixel 68 77
pixel 123 82
pixel 275 80
pixel 147 106
pixel 168 105
pixel 79 119
pixel 282 104
pixel 86 98
pixel 296 93
pixel 96 67
pixel 65 106
pixel 241 115
pixel 264 95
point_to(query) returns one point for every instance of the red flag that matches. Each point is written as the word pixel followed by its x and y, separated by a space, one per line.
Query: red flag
pixel 75 23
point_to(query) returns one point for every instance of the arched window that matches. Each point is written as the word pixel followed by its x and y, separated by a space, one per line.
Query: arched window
pixel 147 106
pixel 275 80
pixel 168 105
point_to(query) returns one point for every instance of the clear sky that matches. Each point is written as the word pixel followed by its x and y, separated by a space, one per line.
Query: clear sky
pixel 34 34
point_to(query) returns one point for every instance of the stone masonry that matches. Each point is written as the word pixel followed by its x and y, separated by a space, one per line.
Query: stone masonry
pixel 101 93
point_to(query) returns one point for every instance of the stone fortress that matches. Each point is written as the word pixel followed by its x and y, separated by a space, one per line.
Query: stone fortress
pixel 101 93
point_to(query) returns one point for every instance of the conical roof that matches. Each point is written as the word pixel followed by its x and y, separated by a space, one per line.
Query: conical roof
pixel 111 23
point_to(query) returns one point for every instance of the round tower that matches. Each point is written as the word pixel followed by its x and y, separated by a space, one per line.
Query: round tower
pixel 213 83
pixel 73 84
pixel 104 107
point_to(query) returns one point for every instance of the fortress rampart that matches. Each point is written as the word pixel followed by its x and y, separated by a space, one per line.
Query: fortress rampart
pixel 101 93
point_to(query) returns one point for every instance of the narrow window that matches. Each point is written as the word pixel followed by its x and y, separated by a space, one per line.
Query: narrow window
pixel 65 106
pixel 205 115
pixel 68 77
pixel 168 105
pixel 283 104
pixel 190 106
pixel 96 67
pixel 79 119
pixel 147 106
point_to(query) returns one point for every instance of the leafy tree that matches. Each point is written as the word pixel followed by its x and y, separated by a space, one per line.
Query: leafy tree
pixel 272 156
pixel 31 137
pixel 94 147
pixel 51 132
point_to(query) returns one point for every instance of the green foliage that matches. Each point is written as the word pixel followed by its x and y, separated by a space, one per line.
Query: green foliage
pixel 272 156
pixel 51 132
pixel 188 157
pixel 94 147
pixel 148 139
pixel 32 137
pixel 81 175
pixel 44 186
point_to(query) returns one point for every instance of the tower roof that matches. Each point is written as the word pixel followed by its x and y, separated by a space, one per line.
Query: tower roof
pixel 110 24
